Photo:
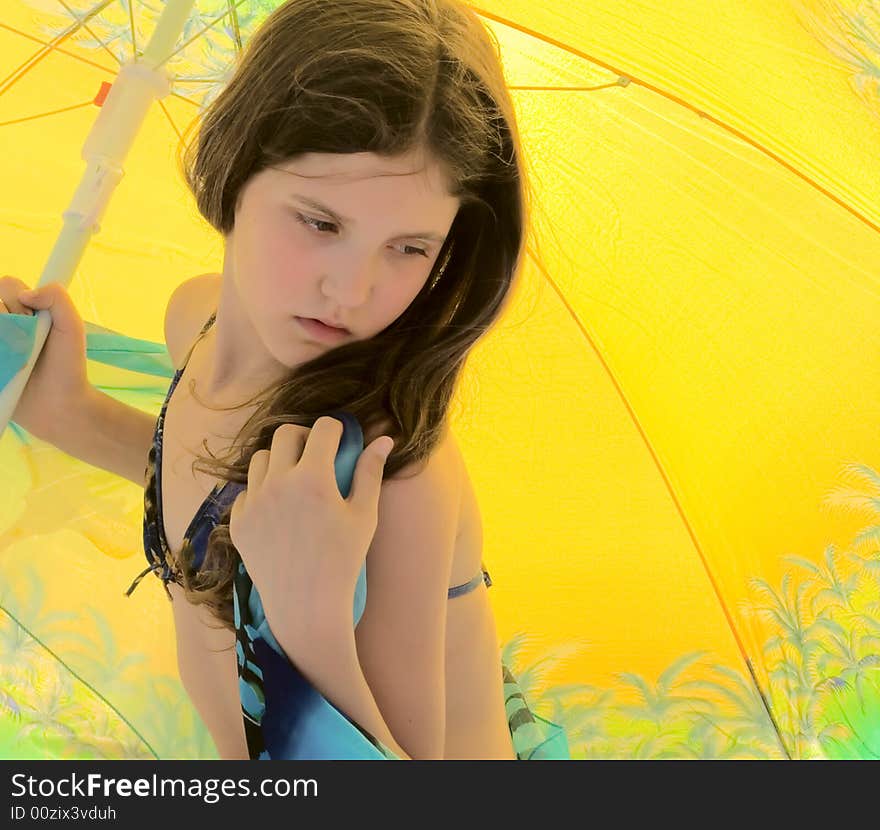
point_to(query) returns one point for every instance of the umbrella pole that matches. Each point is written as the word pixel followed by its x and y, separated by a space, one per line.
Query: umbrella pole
pixel 104 151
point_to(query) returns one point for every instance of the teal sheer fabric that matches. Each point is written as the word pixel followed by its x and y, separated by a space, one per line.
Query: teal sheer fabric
pixel 102 344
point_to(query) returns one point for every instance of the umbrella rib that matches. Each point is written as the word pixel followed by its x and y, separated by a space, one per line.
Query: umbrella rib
pixel 192 79
pixel 80 679
pixel 51 46
pixel 564 88
pixel 667 485
pixel 230 12
pixel 54 48
pixel 688 106
pixel 91 14
pixel 134 49
pixel 81 60
pixel 46 114
pixel 233 14
pixel 19 73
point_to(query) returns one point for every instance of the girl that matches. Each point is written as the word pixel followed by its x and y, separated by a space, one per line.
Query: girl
pixel 364 168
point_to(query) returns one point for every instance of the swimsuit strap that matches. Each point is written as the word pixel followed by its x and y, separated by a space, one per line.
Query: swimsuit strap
pixel 153 534
pixel 470 585
pixel 200 335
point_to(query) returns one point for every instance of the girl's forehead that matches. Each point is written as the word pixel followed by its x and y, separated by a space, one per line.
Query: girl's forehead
pixel 342 168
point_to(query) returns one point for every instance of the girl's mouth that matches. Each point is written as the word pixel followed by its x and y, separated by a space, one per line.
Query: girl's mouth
pixel 322 331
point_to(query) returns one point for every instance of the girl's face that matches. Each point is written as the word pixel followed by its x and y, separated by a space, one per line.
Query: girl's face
pixel 347 239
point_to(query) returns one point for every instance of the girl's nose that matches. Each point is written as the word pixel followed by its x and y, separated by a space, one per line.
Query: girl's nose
pixel 350 285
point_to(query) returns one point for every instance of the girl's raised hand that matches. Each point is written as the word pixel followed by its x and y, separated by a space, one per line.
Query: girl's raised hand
pixel 301 542
pixel 58 383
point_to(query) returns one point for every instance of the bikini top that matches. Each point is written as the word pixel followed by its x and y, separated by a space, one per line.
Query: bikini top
pixel 156 549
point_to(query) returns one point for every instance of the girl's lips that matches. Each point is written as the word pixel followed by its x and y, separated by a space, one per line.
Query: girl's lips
pixel 317 329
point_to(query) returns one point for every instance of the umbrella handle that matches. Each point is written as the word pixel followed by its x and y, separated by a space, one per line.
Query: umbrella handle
pixel 105 148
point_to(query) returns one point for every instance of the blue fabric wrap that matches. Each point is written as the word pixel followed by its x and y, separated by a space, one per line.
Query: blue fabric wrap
pixel 299 723
pixel 295 720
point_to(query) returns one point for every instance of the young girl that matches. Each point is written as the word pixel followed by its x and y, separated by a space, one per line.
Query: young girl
pixel 364 168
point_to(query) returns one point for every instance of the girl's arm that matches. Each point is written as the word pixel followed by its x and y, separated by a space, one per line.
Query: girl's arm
pixel 389 677
pixel 60 406
pixel 401 638
pixel 328 659
pixel 108 434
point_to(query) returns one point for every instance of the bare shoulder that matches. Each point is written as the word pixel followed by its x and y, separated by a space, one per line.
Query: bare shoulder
pixel 445 459
pixel 189 307
pixel 452 454
pixel 435 480
pixel 418 518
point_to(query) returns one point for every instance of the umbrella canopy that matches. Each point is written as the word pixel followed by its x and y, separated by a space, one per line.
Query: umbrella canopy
pixel 672 432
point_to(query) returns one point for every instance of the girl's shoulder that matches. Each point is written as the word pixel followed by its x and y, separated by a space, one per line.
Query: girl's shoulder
pixel 446 455
pixel 441 480
pixel 189 307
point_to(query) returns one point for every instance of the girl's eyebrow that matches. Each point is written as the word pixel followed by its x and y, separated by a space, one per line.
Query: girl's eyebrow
pixel 430 235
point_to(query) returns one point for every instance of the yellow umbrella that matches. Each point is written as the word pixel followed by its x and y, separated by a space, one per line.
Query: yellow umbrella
pixel 672 432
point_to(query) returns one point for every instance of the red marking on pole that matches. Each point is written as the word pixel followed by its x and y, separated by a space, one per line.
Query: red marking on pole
pixel 102 94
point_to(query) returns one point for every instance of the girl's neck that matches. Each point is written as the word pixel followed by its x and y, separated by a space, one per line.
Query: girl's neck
pixel 219 384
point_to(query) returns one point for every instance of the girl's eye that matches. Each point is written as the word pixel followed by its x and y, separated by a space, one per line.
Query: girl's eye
pixel 411 250
pixel 328 227
pixel 318 224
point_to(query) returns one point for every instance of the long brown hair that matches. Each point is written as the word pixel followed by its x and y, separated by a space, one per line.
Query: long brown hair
pixel 386 77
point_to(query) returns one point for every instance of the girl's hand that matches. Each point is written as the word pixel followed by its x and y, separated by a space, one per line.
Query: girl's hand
pixel 302 543
pixel 59 380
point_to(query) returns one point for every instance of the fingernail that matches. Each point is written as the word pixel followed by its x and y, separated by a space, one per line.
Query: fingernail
pixel 386 446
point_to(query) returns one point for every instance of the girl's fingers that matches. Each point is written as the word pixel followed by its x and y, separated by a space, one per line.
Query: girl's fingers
pixel 368 474
pixel 259 464
pixel 54 297
pixel 13 306
pixel 322 444
pixel 288 441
